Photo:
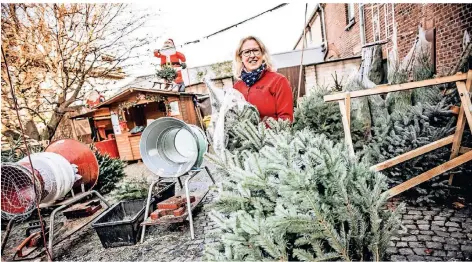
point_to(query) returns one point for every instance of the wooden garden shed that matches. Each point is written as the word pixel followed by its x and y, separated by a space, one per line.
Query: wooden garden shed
pixel 134 108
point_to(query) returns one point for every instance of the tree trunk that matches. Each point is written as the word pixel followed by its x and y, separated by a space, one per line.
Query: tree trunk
pixel 51 128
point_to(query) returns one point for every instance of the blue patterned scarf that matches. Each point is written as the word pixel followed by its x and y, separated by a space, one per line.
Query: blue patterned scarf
pixel 250 78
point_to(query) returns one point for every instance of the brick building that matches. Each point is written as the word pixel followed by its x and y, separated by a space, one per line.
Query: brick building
pixel 345 28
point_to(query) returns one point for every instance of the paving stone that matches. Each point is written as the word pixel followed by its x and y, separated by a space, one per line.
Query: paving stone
pixel 410 226
pixel 442 233
pixel 438 239
pixel 409 238
pixel 391 250
pixel 466 248
pixel 454 229
pixel 466 225
pixel 440 218
pixel 458 235
pixel 434 245
pixel 469 236
pixel 395 238
pixel 401 244
pixel 462 215
pixel 435 259
pixel 439 253
pixel 430 213
pixel 414 232
pixel 427 233
pixel 423 238
pixel 428 217
pixel 419 251
pixel 457 219
pixel 414 212
pixel 451 247
pixel 452 241
pixel 416 244
pixel 423 227
pixel 412 217
pixel 405 251
pixel 402 231
pixel 422 222
pixel 452 224
pixel 407 222
pixel 438 223
pixel 438 228
pixel 398 258
pixel 445 214
pixel 415 258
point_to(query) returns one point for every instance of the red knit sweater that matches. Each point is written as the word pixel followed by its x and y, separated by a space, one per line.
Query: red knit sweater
pixel 271 95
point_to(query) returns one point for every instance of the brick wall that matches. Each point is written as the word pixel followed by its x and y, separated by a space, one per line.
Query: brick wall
pixel 342 43
pixel 450 21
pixel 321 75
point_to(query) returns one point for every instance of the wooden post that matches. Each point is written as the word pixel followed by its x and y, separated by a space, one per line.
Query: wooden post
pixel 345 108
pixel 456 144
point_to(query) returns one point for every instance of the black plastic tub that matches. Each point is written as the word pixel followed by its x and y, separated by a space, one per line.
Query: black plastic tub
pixel 120 224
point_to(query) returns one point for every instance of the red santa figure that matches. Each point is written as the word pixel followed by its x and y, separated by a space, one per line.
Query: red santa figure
pixel 169 56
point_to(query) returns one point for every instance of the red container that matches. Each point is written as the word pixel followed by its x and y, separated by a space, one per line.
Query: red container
pixel 82 156
pixel 108 147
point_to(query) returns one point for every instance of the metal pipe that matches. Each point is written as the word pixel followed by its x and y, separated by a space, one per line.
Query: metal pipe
pixel 362 23
pixel 64 205
pixel 323 24
pixel 148 202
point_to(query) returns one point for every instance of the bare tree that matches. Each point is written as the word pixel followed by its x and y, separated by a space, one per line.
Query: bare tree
pixel 54 50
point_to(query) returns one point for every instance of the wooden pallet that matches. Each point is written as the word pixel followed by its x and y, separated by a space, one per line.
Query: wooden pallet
pixel 197 189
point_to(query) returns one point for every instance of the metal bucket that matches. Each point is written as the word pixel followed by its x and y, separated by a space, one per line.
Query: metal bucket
pixel 169 147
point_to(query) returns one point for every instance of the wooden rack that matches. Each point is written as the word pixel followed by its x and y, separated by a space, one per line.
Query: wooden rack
pixel 459 155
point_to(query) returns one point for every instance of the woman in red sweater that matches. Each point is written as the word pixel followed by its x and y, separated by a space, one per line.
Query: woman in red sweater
pixel 261 86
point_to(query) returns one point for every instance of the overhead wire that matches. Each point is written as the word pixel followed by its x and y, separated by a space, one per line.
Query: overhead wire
pixel 231 26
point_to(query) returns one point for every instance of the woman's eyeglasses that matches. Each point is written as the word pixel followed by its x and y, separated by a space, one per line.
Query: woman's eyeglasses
pixel 248 52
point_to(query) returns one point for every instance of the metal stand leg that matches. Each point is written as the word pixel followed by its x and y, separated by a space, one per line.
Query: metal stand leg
pixel 7 234
pixel 148 202
pixel 209 174
pixel 189 204
pixel 180 182
pixel 64 205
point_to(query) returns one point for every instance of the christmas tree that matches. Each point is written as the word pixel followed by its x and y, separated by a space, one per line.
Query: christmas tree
pixel 297 195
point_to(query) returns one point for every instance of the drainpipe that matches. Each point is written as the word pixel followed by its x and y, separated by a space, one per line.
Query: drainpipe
pixel 362 25
pixel 323 24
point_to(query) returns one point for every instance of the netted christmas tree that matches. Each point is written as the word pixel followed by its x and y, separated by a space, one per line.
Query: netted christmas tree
pixel 296 195
pixel 111 172
pixel 325 118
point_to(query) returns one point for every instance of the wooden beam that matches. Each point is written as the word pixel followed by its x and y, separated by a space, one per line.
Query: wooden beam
pixel 466 104
pixel 400 87
pixel 413 153
pixel 430 174
pixel 460 123
pixel 347 102
pixel 347 128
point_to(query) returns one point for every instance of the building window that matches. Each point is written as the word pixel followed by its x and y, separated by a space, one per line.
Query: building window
pixel 350 20
pixel 349 13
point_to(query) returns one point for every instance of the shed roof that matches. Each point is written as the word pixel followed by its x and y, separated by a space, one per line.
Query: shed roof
pixel 123 94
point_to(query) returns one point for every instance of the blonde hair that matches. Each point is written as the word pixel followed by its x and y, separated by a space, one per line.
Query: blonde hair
pixel 238 63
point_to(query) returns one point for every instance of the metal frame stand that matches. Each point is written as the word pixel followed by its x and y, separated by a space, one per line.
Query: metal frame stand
pixel 192 174
pixel 65 204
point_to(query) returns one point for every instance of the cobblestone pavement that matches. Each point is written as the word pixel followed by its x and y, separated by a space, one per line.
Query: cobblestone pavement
pixel 433 234
pixel 429 234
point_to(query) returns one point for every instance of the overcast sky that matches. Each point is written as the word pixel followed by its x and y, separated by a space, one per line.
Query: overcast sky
pixel 184 22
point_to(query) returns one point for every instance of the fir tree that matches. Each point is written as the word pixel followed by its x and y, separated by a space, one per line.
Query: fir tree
pixel 296 195
pixel 111 172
